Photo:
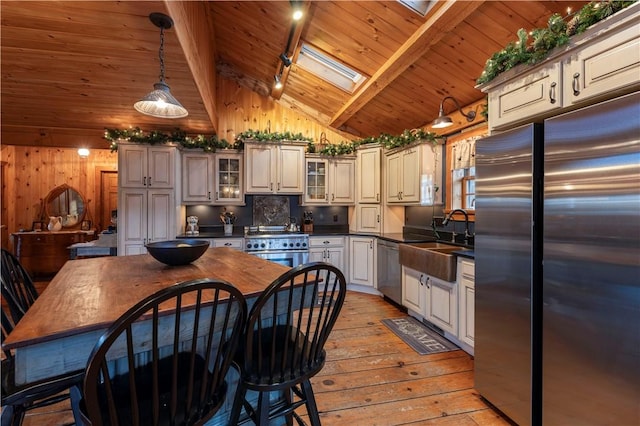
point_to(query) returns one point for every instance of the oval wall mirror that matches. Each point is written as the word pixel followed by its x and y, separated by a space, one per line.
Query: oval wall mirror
pixel 66 202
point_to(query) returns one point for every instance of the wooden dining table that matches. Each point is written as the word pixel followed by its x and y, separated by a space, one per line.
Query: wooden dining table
pixel 58 333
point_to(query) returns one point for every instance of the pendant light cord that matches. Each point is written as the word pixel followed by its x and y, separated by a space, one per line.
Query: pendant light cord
pixel 161 54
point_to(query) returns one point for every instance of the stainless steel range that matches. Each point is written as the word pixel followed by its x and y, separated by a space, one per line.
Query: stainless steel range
pixel 274 243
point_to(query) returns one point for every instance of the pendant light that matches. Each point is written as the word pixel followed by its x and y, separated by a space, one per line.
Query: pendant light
pixel 160 102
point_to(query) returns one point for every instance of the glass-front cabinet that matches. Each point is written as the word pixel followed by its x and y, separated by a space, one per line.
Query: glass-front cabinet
pixel 317 190
pixel 330 180
pixel 228 178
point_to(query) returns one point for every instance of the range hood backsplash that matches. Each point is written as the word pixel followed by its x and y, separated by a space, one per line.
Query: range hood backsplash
pixel 210 215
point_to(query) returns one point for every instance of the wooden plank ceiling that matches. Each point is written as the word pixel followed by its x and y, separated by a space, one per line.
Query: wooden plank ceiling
pixel 72 68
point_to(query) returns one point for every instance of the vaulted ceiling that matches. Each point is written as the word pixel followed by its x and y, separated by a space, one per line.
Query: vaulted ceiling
pixel 73 68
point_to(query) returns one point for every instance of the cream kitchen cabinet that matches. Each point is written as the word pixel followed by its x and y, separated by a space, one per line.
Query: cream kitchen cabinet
pixel 414 294
pixel 144 166
pixel 145 216
pixel 537 93
pixel 328 249
pixel 209 178
pixel 274 169
pixel 228 173
pixel 234 243
pixel 441 306
pixel 362 257
pixel 197 177
pixel 606 66
pixel 466 306
pixel 368 218
pixel 431 298
pixel 329 181
pixel 601 63
pixel 413 173
pixel 368 175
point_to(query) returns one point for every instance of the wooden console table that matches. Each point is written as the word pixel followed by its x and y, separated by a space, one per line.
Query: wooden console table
pixel 43 253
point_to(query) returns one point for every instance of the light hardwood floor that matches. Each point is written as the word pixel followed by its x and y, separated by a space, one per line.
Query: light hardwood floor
pixel 372 378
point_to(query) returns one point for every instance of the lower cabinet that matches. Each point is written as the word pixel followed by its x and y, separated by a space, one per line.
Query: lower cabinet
pixel 234 243
pixel 328 249
pixel 362 257
pixel 466 315
pixel 413 290
pixel 431 298
pixel 145 216
pixel 442 304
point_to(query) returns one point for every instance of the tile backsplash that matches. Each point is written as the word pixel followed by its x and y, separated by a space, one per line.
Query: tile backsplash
pixel 322 215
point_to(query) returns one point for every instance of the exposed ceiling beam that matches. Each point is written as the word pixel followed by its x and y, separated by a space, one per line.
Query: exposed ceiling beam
pixel 196 36
pixel 443 20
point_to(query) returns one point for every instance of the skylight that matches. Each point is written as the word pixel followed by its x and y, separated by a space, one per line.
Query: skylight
pixel 329 69
pixel 420 7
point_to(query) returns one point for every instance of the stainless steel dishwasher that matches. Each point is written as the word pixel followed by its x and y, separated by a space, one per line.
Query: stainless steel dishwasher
pixel 389 280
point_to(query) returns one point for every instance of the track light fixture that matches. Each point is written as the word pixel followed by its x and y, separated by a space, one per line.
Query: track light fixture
pixel 160 102
pixel 278 83
pixel 445 121
pixel 285 60
pixel 297 10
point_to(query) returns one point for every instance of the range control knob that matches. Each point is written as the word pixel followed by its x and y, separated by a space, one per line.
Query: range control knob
pixel 249 245
pixel 262 245
pixel 297 244
pixel 255 245
pixel 304 244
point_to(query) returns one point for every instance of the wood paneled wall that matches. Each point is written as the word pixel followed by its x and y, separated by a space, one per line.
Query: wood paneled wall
pixel 240 109
pixel 31 172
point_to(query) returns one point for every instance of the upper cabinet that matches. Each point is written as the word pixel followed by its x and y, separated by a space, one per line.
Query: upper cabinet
pixel 197 177
pixel 368 178
pixel 144 166
pixel 229 187
pixel 329 181
pixel 209 178
pixel 274 169
pixel 413 174
pixel 598 64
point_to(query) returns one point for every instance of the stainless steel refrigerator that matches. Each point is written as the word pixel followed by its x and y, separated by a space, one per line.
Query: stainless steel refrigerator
pixel 557 255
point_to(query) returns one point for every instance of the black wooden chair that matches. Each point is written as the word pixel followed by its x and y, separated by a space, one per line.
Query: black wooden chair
pixel 284 343
pixel 18 399
pixel 18 283
pixel 164 361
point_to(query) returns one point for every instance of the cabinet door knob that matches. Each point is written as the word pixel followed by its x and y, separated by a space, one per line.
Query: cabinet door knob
pixel 228 244
pixel 427 282
pixel 575 84
pixel 149 180
pixel 377 197
pixel 209 196
pixel 144 181
pixel 420 280
pixel 378 218
pixel 552 93
pixel 271 186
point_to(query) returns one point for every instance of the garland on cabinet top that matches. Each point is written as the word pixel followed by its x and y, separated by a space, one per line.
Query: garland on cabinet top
pixel 212 143
pixel 206 143
pixel 543 40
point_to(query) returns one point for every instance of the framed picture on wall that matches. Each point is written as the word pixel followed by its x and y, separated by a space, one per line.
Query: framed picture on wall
pixel 85 225
pixel 37 226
